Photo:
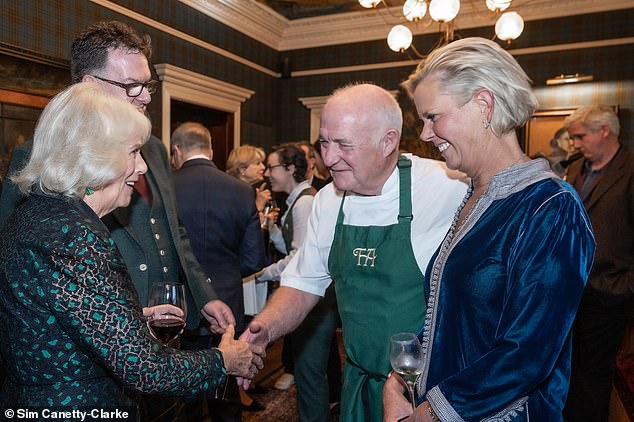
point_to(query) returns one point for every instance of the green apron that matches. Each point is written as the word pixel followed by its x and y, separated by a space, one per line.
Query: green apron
pixel 380 291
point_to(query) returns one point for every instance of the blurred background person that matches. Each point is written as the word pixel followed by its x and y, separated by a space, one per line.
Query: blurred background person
pixel 310 343
pixel 318 180
pixel 246 162
pixel 321 169
pixel 312 175
pixel 74 333
pixel 219 214
pixel 504 285
pixel 605 181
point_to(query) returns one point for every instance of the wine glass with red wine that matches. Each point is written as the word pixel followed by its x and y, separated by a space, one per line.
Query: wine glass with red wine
pixel 167 326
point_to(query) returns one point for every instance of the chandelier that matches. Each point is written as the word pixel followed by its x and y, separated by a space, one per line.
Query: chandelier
pixel 508 27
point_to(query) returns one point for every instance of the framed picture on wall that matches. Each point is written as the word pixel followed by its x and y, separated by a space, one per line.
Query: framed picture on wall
pixel 541 128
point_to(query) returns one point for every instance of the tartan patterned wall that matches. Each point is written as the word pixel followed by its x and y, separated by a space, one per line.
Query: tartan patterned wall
pixel 45 29
pixel 612 67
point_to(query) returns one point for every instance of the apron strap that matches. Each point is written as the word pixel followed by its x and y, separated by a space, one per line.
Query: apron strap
pixel 365 396
pixel 405 193
pixel 340 214
pixel 405 190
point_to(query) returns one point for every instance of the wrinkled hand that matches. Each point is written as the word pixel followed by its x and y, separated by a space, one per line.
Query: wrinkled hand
pixel 159 311
pixel 219 316
pixel 396 407
pixel 240 358
pixel 256 334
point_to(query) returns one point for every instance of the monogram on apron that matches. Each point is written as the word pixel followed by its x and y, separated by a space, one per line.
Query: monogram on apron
pixel 380 291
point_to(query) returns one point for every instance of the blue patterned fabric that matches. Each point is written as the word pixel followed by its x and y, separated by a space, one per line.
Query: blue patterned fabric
pixel 503 293
pixel 71 325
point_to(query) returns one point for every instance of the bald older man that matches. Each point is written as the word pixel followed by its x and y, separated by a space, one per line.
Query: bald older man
pixel 372 233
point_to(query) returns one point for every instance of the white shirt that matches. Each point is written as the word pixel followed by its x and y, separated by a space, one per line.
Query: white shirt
pixel 301 211
pixel 436 194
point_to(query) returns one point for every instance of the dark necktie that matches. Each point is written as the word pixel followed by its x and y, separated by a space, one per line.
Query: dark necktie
pixel 144 189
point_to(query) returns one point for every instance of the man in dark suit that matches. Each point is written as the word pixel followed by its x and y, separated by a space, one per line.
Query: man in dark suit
pixel 220 216
pixel 604 180
pixel 147 233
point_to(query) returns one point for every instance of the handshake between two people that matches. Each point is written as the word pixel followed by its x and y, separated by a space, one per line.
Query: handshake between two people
pixel 241 358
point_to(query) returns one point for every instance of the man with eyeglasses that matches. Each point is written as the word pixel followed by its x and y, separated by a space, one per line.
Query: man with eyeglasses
pixel 148 233
pixel 133 89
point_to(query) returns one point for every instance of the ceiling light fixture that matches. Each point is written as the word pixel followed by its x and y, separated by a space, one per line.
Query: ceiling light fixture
pixel 508 27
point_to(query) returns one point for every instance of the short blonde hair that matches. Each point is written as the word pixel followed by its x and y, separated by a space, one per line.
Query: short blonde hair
pixel 465 66
pixel 594 117
pixel 79 139
pixel 243 156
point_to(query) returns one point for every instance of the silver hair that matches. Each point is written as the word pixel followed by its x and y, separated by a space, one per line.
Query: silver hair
pixel 468 65
pixel 79 141
pixel 594 117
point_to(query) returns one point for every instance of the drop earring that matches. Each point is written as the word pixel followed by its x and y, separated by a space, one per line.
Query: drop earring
pixel 89 191
pixel 486 124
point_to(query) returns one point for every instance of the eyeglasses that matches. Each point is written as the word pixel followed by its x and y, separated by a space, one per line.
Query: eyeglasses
pixel 269 167
pixel 134 89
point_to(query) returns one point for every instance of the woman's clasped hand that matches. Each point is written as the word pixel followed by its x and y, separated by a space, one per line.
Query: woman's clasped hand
pixel 241 359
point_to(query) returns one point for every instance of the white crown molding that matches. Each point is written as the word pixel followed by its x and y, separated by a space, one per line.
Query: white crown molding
pixel 247 16
pixel 182 35
pixel 263 24
pixel 185 85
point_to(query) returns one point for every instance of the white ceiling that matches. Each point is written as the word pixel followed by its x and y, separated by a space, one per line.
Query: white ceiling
pixel 267 26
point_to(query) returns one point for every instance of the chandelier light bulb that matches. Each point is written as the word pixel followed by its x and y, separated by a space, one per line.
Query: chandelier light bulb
pixel 369 4
pixel 509 26
pixel 444 10
pixel 400 38
pixel 414 9
pixel 498 5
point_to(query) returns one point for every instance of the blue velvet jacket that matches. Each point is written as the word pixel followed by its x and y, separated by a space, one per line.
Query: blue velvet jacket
pixel 503 291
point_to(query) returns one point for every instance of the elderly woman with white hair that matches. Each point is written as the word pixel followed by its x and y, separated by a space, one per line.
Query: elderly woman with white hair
pixel 73 332
pixel 504 285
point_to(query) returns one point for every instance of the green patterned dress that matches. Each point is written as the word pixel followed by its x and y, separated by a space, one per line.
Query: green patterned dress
pixel 71 326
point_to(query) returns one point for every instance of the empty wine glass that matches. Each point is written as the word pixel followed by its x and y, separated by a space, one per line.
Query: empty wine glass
pixel 406 358
pixel 166 326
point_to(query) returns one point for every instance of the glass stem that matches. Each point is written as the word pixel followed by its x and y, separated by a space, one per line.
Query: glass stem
pixel 410 387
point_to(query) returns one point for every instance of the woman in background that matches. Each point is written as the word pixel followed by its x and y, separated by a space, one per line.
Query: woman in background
pixel 74 333
pixel 504 285
pixel 246 162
